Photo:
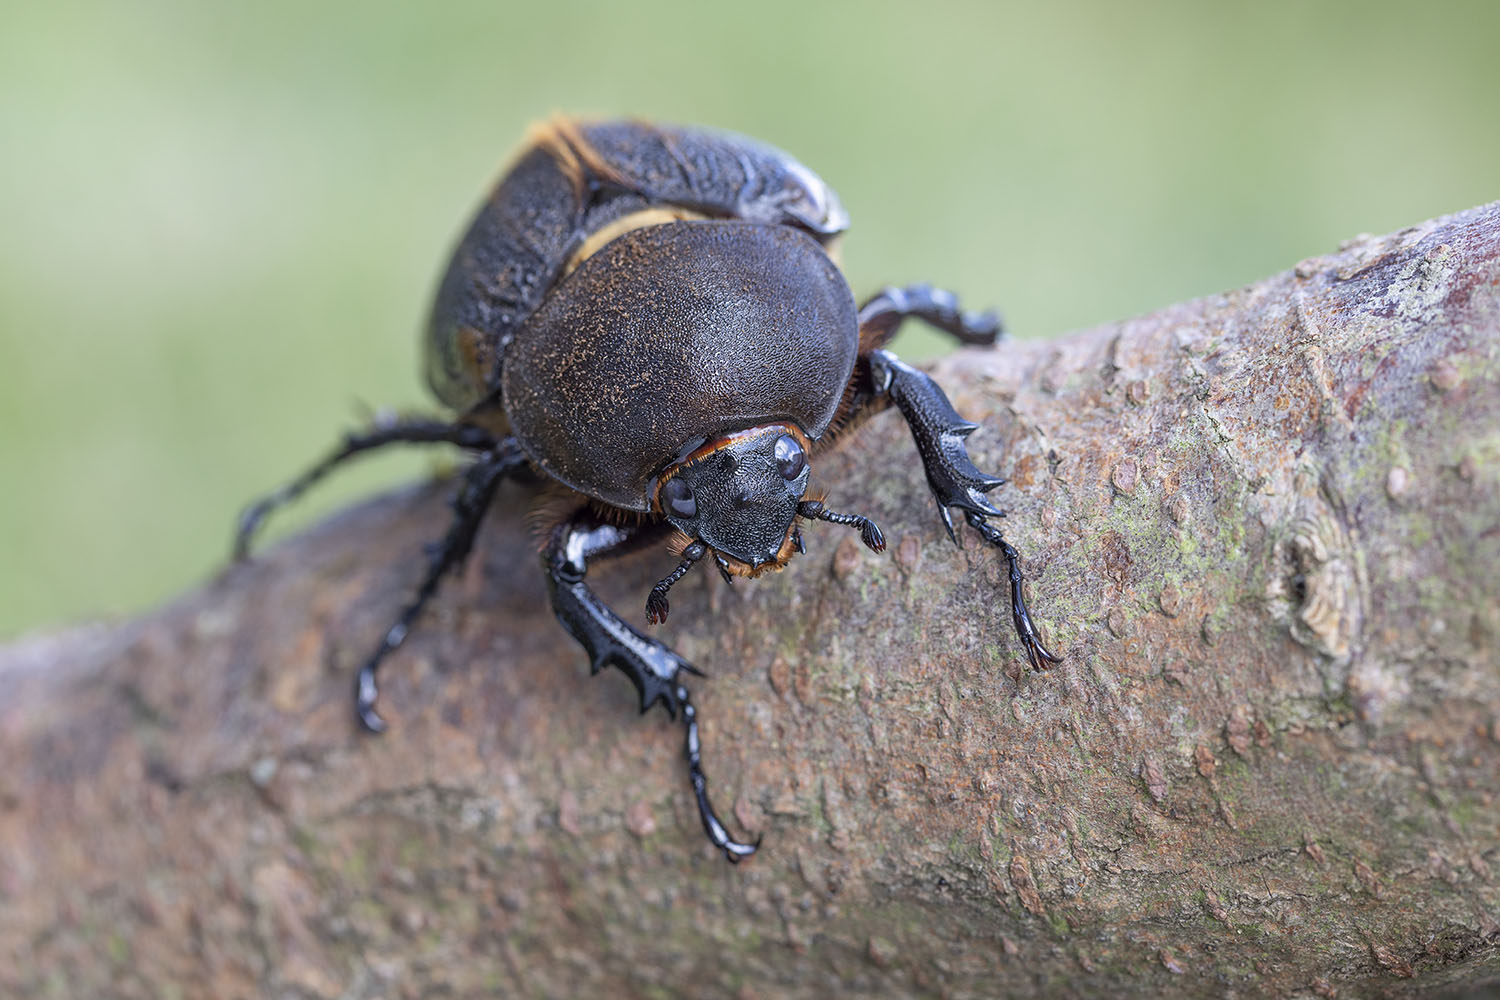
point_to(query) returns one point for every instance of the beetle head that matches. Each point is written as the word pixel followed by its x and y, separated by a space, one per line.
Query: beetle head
pixel 739 494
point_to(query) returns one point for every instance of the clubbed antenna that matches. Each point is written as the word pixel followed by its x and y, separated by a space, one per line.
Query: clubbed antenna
pixel 657 605
pixel 869 531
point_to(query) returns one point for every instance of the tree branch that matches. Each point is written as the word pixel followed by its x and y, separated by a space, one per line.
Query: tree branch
pixel 1263 527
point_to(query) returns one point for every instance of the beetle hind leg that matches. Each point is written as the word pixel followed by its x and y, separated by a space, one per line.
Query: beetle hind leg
pixel 469 504
pixel 408 430
pixel 654 669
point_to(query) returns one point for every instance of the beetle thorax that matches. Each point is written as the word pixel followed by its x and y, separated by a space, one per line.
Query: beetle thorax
pixel 738 495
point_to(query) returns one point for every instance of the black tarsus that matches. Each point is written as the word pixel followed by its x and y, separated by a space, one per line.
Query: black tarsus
pixel 651 666
pixel 657 604
pixel 938 429
pixel 717 834
pixel 1037 653
pixel 400 430
pixel 470 503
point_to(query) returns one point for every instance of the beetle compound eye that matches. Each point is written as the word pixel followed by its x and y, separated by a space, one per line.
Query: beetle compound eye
pixel 677 498
pixel 790 458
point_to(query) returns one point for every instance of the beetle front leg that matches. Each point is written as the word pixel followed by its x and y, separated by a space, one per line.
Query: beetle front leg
pixel 955 481
pixel 653 668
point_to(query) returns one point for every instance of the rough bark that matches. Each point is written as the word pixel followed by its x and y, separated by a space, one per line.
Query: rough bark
pixel 1263 527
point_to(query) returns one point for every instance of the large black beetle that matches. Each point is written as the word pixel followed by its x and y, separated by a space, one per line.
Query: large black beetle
pixel 649 317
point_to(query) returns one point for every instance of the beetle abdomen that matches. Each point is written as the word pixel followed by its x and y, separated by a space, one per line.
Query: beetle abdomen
pixel 673 334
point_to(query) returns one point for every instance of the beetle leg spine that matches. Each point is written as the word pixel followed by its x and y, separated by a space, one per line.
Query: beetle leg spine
pixel 651 666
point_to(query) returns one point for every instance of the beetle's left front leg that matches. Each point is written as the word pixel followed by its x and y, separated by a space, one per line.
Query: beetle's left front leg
pixel 652 667
pixel 954 479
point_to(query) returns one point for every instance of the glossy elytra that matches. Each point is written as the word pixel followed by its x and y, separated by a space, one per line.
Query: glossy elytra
pixel 614 251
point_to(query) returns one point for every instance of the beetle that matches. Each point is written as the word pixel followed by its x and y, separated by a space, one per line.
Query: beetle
pixel 648 318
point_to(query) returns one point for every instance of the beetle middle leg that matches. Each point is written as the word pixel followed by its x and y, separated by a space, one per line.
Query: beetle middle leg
pixel 654 669
pixel 406 430
pixel 470 503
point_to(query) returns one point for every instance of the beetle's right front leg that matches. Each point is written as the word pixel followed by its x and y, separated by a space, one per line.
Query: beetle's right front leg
pixel 652 667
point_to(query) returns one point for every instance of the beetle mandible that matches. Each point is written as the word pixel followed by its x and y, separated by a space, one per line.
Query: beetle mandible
pixel 620 249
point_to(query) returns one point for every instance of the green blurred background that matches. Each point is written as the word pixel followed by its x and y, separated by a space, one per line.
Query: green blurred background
pixel 222 222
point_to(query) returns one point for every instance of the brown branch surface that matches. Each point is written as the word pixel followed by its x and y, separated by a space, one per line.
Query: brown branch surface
pixel 1263 527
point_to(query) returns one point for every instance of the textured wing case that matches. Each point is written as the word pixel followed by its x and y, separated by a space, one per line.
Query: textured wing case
pixel 571 180
pixel 717 173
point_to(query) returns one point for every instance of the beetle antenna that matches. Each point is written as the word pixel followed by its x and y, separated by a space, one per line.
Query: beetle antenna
pixel 657 604
pixel 869 531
